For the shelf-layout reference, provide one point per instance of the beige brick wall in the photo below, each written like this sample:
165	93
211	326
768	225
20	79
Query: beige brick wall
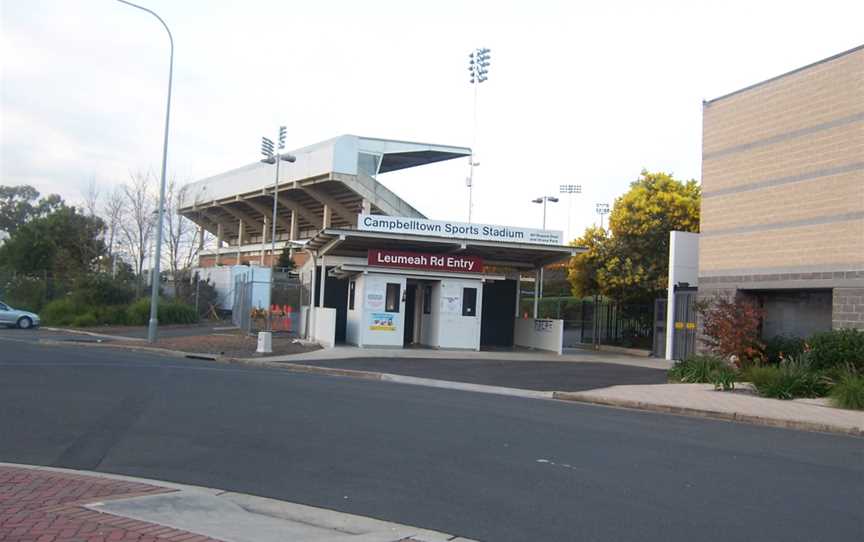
827	92
818	94
840	243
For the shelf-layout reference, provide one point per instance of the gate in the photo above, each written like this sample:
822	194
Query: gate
241	308
659	348
684	334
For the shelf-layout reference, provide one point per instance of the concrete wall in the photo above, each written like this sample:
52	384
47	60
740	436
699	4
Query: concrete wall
796	314
325	326
848	308
539	334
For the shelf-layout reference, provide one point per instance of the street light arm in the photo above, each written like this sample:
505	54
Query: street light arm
153	13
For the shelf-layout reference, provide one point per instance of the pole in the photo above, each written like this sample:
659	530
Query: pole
154	295
542	269
273	231
473	144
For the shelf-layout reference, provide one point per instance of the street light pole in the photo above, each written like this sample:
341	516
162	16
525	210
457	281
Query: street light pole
478	66
543	200
154	280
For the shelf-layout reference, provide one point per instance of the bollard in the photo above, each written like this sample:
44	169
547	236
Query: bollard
265	342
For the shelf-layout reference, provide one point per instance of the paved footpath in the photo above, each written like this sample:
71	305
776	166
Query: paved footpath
741	405
40	504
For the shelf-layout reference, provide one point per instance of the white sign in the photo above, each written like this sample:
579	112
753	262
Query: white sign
451	304
375	292
458	230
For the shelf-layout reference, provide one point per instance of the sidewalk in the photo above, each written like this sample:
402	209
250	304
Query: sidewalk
740	405
43	504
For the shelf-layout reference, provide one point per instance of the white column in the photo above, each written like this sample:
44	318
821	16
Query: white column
518	292
327	216
292	234
366	206
323	282
241	233
220	232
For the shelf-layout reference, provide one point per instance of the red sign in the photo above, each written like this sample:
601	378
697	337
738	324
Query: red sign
421	260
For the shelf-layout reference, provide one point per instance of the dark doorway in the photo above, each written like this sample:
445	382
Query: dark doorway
499	313
410	300
335	297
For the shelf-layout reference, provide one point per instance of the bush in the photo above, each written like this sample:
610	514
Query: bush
838	348
27	293
170	312
783	346
731	327
724	378
88	319
101	289
849	392
789	380
697	369
60	312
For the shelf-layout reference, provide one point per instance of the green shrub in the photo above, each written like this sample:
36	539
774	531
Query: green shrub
101	289
60	312
697	369
783	346
27	293
837	348
170	312
789	380
849	392
724	378
88	319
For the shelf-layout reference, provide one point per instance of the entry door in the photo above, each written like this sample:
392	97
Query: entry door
499	313
684	341
410	301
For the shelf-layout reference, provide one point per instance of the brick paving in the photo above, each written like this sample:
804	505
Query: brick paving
48	506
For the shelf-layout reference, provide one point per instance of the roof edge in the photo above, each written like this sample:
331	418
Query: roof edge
782	75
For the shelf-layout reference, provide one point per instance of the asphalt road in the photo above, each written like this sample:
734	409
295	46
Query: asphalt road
483	466
529	375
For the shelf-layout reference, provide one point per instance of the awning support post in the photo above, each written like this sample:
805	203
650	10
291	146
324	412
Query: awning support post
536	289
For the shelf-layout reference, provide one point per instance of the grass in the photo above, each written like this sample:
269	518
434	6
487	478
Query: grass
849	392
789	380
696	369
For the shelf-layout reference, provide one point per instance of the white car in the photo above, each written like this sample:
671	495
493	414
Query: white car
17	318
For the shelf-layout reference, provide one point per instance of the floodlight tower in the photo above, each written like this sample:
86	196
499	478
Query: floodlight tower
602	210
478	67
267	149
543	200
570	189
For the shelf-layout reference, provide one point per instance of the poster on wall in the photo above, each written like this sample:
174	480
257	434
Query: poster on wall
375	295
451	304
382	321
543	326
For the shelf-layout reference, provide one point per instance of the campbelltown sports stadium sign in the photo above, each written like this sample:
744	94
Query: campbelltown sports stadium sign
457	230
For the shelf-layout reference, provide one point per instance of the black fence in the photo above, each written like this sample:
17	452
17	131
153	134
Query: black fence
589	321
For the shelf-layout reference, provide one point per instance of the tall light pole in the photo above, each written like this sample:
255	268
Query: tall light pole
478	67
154	279
267	149
570	189
543	200
602	210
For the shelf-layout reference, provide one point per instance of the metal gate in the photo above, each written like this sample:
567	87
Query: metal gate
659	348
241	308
684	338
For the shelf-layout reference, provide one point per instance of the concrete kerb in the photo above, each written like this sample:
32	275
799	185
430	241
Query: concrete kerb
706	413
579	397
343	526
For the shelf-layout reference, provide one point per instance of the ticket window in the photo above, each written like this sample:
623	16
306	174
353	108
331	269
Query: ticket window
393	298
469	301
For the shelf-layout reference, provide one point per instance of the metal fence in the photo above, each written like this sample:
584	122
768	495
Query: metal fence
283	313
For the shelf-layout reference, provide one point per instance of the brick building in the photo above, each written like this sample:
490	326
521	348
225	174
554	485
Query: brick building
783	196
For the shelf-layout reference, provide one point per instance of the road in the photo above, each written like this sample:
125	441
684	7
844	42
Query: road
487	467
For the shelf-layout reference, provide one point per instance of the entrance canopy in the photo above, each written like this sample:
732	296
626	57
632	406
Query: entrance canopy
355	243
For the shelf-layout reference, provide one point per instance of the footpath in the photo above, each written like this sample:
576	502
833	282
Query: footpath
43	504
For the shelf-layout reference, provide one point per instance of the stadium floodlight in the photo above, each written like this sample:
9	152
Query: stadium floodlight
570	189
478	70
602	210
274	156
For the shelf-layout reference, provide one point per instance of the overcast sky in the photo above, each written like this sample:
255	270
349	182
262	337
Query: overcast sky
579	92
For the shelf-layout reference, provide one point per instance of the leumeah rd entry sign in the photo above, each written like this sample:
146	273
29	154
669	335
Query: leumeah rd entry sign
430	262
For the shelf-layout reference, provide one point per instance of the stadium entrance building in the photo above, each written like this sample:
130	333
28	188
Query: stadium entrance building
376	272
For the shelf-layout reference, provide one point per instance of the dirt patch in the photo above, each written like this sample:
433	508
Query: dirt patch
228	343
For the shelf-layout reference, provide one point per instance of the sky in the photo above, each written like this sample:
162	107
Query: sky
585	93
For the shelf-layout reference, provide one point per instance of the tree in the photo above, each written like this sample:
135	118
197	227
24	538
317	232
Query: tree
631	262
138	223
181	234
112	212
19	205
64	243
285	261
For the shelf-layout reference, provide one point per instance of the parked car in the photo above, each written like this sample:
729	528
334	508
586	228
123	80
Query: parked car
18	318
